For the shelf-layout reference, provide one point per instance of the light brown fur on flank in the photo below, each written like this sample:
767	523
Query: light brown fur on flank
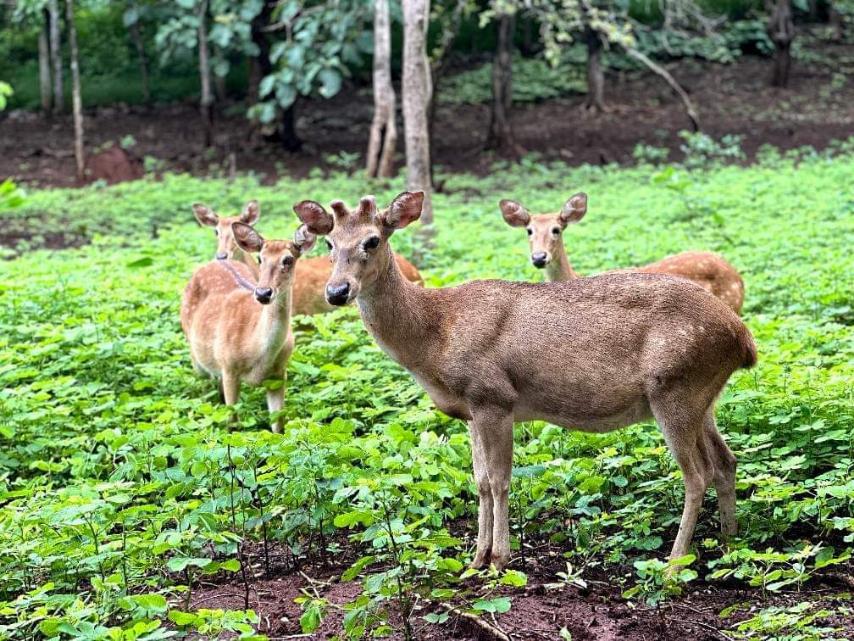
545	236
235	338
311	273
594	354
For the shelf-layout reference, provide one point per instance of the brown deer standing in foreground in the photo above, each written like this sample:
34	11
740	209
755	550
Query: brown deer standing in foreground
593	353
545	234
311	273
242	333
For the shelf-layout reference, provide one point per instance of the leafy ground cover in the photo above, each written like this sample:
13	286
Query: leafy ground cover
128	510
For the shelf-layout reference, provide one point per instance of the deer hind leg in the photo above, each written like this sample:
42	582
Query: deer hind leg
724	473
485	505
495	434
684	433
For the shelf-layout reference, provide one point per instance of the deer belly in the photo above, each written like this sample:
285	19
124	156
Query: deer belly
588	415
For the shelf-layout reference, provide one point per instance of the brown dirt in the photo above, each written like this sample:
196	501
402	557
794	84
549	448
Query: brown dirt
538	613
816	109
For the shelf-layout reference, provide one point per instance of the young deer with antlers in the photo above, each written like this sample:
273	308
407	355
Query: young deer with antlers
240	332
594	354
545	235
311	273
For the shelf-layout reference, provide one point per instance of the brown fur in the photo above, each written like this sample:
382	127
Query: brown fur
311	273
232	336
545	235
594	354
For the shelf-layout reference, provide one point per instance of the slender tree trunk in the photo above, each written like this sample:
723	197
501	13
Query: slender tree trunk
139	43
383	136
501	137
835	20
56	55
288	129
595	73
206	103
416	98
44	65
76	99
781	30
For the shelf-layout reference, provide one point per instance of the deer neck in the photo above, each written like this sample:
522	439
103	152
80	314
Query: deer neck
559	269
398	315
274	323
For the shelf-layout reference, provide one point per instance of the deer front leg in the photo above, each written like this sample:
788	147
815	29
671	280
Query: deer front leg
495	433
485	506
275	402
231	391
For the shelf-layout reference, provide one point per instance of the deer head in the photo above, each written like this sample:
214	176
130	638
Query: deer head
277	258
226	247
545	231
358	239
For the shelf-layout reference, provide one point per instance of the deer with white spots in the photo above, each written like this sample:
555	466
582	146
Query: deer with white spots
311	273
239	331
545	236
593	354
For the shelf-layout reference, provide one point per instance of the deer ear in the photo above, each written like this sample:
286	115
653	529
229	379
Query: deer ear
251	213
247	238
205	215
514	214
574	209
315	217
404	209
304	239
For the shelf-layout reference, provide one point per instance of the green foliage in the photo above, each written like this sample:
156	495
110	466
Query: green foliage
122	487
801	622
5	92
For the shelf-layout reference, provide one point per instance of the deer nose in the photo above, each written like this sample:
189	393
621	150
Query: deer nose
338	294
221	255
539	259
263	295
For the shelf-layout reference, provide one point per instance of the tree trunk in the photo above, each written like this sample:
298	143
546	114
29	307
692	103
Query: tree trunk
206	103
595	73
44	65
56	56
76	99
835	20
781	30
288	129
136	36
416	98
501	136
383	136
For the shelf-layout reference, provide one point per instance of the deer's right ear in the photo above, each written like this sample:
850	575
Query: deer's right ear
205	215
514	214
315	217
247	238
404	209
251	213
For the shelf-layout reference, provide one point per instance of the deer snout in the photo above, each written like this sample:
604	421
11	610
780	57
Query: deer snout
539	259
338	294
263	295
221	255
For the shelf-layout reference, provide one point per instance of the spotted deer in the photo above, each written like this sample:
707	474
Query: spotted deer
594	354
311	273
545	236
239	331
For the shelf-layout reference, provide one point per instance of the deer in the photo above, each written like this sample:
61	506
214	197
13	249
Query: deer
545	236
594	354
311	273
240	332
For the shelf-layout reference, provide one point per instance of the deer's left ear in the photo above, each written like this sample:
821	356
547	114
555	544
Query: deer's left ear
315	217
574	209
247	238
304	239
205	215
251	213
514	214
404	209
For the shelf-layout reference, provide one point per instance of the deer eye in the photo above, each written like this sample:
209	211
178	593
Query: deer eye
287	260
372	243
556	230
530	231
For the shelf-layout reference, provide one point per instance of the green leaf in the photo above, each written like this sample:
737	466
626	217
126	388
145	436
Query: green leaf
498	605
330	82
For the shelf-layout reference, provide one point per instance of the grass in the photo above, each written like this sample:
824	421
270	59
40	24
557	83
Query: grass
121	487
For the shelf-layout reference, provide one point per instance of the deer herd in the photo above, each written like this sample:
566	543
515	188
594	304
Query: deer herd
595	353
